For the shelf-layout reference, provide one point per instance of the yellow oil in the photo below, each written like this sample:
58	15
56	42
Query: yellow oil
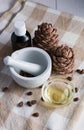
57	94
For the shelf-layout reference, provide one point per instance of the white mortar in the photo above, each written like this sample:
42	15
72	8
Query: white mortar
34	55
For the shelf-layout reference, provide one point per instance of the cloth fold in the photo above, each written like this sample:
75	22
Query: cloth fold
7	17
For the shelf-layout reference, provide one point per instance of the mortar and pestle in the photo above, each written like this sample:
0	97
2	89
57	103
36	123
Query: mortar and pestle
32	60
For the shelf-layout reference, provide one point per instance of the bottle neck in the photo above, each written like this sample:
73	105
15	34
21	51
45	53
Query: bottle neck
20	32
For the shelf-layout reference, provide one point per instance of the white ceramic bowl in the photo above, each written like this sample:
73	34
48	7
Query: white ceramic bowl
35	55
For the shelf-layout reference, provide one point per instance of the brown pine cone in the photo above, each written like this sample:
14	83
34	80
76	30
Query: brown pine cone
63	60
46	37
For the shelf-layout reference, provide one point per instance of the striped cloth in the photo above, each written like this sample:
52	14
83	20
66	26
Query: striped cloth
71	32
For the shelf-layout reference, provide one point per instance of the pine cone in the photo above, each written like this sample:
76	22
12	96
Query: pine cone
63	60
46	37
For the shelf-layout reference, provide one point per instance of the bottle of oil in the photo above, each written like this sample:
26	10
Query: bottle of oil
20	38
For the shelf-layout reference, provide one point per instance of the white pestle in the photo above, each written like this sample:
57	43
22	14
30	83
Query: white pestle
32	68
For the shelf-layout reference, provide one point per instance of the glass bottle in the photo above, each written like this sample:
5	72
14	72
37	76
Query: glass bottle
20	38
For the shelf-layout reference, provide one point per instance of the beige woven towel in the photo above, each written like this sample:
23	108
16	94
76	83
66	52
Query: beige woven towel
77	116
71	32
